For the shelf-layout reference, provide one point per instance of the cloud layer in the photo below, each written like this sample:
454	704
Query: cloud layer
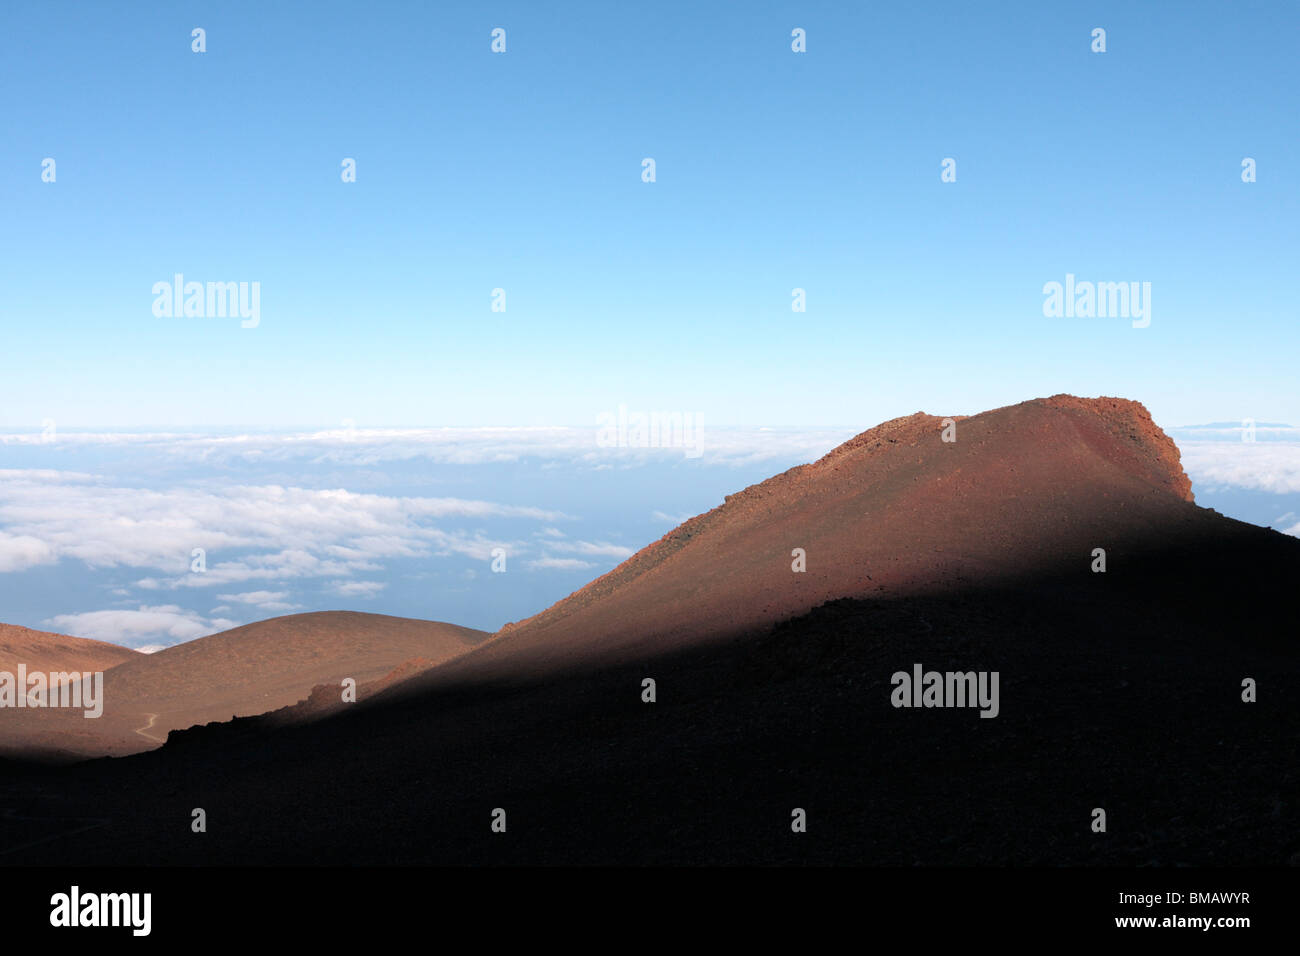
453	446
290	532
1272	466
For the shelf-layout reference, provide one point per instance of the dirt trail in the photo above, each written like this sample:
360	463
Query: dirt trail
142	731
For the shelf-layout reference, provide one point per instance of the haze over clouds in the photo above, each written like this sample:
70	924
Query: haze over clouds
455	446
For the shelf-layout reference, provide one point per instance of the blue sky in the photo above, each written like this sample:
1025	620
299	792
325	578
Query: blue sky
521	171
306	454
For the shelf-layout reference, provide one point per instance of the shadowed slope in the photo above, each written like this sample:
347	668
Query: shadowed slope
1119	690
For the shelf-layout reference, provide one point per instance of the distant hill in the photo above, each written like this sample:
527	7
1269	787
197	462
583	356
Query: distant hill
48	652
238	673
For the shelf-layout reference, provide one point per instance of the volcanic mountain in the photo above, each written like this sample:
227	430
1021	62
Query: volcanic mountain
685	707
1017	493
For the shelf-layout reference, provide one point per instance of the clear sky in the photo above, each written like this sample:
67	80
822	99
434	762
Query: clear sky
522	171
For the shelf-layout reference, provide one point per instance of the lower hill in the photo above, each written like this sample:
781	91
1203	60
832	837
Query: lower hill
51	653
242	672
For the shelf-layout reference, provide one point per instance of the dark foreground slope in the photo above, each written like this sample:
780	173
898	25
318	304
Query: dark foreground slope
1109	698
1119	691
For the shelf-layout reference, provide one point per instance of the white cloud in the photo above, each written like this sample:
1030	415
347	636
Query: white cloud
1259	466
263	533
593	548
363	589
671	519
163	625
43	474
559	564
20	552
262	600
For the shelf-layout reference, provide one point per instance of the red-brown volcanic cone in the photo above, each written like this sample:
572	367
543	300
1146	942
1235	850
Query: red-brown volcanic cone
894	511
